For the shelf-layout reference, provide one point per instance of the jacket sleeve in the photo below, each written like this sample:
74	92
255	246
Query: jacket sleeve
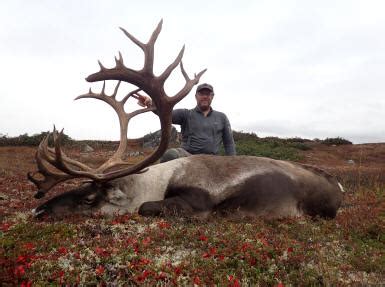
179	116
227	138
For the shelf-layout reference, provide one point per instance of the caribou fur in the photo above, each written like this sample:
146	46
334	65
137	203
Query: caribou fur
201	185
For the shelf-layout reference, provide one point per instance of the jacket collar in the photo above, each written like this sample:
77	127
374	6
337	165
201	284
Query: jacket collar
198	110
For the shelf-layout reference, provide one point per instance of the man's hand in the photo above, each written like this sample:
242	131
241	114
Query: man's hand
143	101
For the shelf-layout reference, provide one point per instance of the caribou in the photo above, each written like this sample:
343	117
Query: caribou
197	185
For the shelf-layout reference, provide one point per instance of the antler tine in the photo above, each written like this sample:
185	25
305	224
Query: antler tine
44	151
102	97
148	48
119	62
48	154
172	66
190	83
149	52
59	162
130	94
50	177
156	33
116	90
185	75
102	68
141	111
133	39
45	161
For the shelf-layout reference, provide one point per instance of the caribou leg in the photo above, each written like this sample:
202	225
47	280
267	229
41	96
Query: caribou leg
180	202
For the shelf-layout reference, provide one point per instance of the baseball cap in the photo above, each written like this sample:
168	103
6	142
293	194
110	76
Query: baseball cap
205	86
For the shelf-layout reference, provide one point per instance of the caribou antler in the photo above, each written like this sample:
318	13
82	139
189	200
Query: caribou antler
146	81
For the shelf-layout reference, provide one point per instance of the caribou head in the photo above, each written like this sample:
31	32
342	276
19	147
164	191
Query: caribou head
195	185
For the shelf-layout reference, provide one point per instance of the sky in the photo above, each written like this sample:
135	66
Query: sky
310	69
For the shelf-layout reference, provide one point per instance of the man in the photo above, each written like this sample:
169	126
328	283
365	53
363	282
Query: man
203	129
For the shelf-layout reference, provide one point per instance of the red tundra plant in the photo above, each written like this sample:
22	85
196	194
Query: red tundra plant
203	238
29	246
62	251
26	284
5	226
233	282
19	271
99	270
164	224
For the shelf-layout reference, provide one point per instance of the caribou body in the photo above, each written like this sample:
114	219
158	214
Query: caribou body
196	185
200	185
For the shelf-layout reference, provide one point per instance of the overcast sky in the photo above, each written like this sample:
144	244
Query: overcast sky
312	69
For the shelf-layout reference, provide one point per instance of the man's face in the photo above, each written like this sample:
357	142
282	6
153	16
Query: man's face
204	98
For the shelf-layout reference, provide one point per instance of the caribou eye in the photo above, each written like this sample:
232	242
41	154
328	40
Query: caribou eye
89	199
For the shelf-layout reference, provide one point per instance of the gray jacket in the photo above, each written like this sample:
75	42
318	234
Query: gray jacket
204	135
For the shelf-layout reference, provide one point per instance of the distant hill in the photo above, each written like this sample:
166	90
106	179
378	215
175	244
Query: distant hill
246	143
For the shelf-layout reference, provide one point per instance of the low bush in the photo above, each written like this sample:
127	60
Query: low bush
238	136
336	141
271	149
33	140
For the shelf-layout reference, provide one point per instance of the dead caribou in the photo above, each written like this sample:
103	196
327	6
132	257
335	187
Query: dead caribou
196	185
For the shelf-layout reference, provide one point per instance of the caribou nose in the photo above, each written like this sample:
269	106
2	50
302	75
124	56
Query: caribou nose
38	213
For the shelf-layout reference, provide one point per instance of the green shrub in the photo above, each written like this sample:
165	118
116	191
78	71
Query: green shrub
272	147
336	141
299	145
34	140
298	140
244	136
